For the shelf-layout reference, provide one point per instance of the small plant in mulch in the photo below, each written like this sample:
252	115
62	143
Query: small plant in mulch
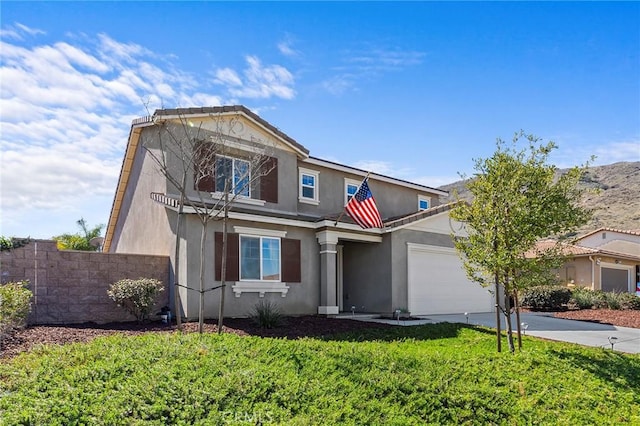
266	314
136	296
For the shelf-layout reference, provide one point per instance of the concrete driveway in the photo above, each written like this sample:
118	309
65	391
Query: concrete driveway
546	326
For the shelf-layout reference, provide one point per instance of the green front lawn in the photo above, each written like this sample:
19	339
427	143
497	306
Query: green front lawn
433	374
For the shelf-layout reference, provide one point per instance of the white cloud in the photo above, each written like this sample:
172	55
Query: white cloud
605	153
18	30
286	47
67	107
28	30
260	82
369	64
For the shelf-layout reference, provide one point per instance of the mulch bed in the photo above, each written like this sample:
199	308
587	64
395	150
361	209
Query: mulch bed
605	316
292	328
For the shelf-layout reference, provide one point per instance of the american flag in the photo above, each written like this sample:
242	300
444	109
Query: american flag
362	208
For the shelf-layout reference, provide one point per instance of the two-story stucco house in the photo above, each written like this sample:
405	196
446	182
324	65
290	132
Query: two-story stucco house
284	241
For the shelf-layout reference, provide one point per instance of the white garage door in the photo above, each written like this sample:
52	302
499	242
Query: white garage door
437	283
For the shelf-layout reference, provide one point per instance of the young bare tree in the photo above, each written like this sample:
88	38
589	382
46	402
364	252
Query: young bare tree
209	166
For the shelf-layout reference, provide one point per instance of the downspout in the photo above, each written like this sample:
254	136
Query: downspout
593	272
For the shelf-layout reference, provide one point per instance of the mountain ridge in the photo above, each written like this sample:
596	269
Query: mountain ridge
614	199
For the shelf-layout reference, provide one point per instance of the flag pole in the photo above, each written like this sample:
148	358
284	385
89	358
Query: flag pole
342	213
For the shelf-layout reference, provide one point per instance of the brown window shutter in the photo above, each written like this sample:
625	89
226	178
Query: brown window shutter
233	261
204	175
291	271
269	181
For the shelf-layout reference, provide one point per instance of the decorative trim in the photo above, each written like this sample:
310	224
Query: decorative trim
259	232
331	237
328	252
308	201
260	287
239	199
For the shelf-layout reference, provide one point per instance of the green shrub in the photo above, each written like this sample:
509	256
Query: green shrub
546	298
612	300
266	314
136	296
629	301
583	298
15	305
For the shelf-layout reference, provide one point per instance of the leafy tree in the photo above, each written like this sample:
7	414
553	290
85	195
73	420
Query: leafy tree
80	240
517	199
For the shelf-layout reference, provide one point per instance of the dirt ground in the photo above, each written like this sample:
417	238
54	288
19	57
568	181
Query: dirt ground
292	328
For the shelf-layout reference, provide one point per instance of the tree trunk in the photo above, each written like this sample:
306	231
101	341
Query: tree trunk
507	315
498	334
223	268
517	303
176	269
203	240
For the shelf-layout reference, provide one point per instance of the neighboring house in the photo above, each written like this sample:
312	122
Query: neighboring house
605	259
285	243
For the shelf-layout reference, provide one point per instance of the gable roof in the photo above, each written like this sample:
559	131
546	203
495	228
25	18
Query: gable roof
231	109
402	221
619	231
576	250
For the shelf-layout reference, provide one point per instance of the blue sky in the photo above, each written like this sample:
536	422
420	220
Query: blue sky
414	90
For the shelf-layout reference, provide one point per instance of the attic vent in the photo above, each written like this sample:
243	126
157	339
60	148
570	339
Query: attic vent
604	235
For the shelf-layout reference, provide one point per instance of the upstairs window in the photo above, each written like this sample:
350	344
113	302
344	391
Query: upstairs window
308	186
239	173
423	202
350	189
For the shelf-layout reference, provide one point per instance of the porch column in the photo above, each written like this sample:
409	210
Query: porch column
328	286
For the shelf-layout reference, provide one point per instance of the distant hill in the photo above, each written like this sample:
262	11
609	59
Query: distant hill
616	204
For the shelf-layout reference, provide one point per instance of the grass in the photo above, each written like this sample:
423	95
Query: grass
432	374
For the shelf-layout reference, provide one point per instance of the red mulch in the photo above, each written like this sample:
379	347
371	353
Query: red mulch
625	318
292	328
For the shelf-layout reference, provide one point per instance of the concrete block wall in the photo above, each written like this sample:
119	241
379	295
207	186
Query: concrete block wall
71	286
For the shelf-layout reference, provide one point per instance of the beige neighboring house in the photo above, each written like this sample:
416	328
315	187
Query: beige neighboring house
605	259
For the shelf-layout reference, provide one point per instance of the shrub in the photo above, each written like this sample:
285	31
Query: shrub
546	298
15	305
629	301
266	314
612	300
136	296
583	298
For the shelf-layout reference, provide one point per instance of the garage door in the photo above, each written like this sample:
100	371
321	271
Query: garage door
614	279
437	283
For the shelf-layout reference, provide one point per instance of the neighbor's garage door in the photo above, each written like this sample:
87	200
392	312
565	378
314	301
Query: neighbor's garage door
437	283
615	279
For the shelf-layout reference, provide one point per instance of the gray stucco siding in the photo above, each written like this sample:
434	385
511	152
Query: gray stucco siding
367	276
301	298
